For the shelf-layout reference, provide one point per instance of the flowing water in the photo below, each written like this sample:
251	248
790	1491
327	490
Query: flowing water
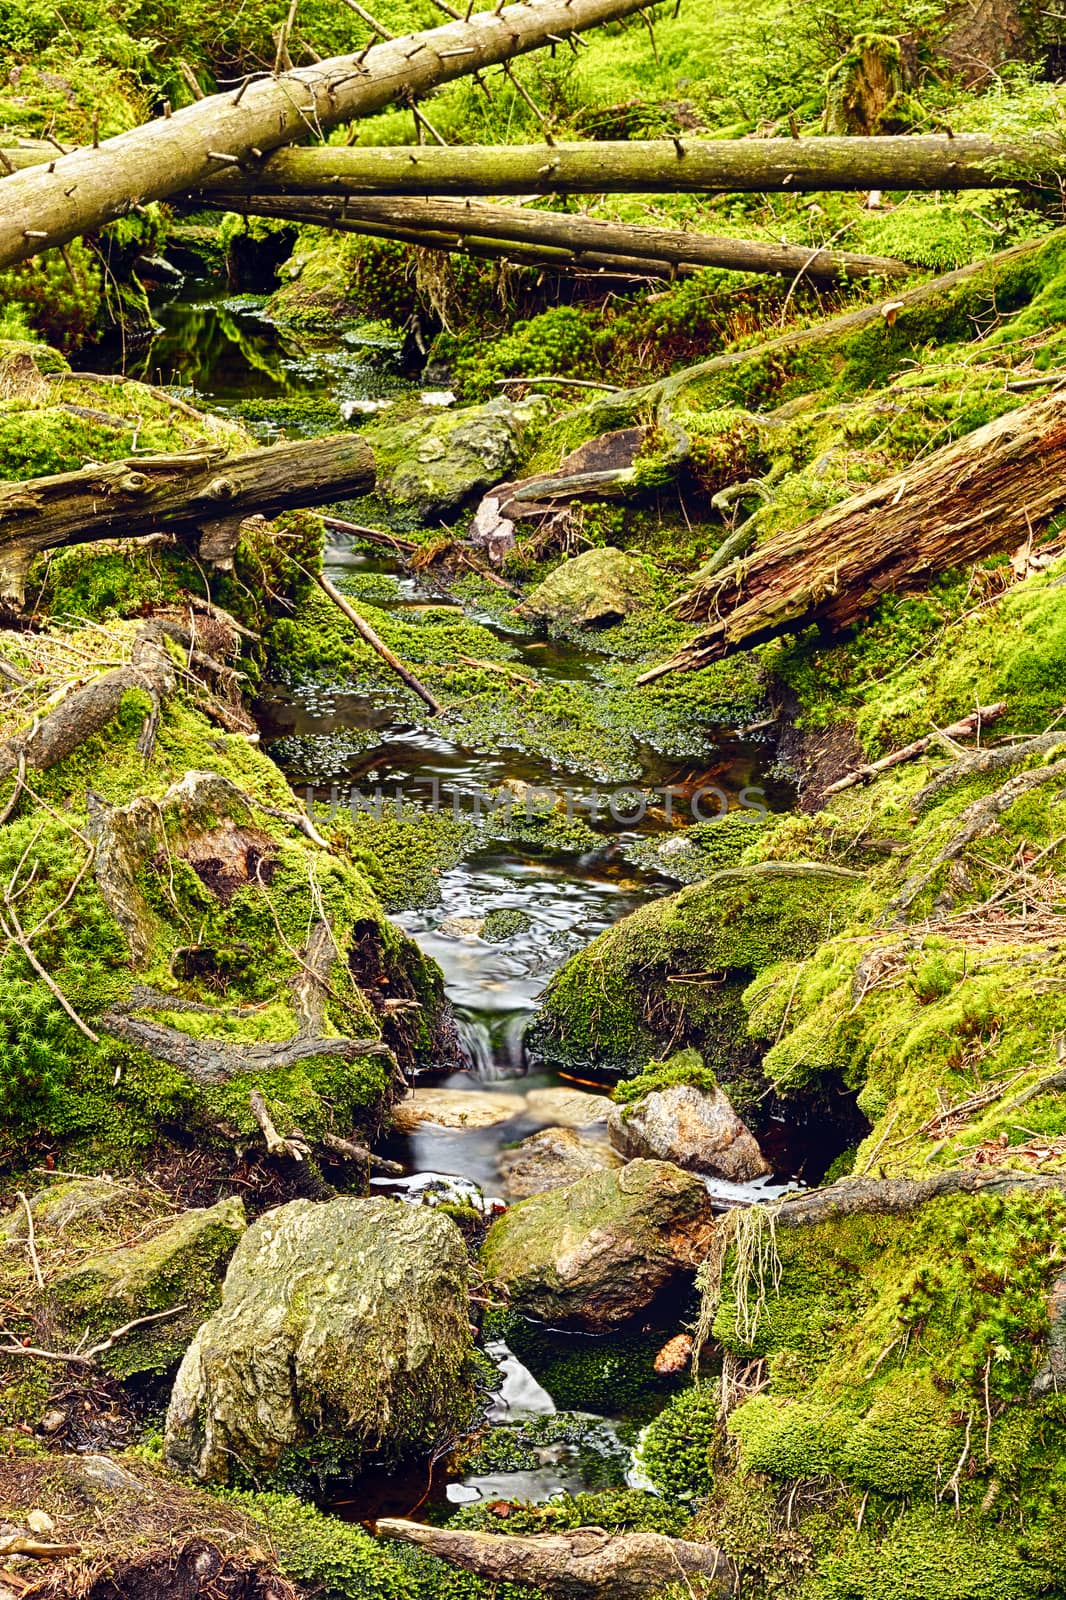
227	355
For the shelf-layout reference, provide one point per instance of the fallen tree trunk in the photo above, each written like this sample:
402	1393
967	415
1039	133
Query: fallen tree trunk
585	1564
79	192
543	257
204	491
624	405
574	234
981	494
693	166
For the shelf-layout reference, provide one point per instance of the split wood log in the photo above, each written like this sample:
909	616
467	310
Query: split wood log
203	491
574	234
657	166
76	193
963	729
585	1564
981	494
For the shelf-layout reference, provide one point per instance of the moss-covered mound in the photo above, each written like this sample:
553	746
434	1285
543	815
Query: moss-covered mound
675	971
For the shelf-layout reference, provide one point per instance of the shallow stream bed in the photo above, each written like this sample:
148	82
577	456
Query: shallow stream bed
334	742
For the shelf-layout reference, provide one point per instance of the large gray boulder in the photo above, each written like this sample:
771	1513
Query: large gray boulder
343	1332
433	462
593	590
595	1253
695	1128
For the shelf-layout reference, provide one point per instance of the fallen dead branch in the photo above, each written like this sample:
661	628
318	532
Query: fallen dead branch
86	1358
964	728
377	644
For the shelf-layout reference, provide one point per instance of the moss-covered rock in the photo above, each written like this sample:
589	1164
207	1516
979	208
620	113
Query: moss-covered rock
598	1251
592	590
612	1008
432	463
343	1335
179	1268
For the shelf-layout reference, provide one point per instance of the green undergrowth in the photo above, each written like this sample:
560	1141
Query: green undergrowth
207	930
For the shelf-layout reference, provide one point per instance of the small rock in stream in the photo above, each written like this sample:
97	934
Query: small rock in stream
456	1108
552	1158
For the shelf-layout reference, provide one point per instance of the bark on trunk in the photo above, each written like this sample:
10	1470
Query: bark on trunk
984	493
203	490
76	193
587	1564
694	166
575	235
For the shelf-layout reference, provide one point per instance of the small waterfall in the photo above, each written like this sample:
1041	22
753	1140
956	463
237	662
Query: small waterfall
492	1045
475	1040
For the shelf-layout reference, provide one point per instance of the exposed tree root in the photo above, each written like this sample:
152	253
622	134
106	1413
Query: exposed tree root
586	1564
977	763
976	820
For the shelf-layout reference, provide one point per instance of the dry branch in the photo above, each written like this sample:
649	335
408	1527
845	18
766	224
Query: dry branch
981	494
962	729
48	205
376	643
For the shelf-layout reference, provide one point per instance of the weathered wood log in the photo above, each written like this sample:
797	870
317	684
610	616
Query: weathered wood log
981	494
585	1564
79	192
574	234
693	166
203	491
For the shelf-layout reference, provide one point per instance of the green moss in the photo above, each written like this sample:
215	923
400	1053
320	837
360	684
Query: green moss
599	1013
685	1067
676	1449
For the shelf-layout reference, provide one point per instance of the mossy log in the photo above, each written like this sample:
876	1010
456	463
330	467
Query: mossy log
979	495
203	493
79	192
585	1564
575	235
657	166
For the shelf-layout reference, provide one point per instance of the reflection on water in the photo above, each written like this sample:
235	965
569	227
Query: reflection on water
225	350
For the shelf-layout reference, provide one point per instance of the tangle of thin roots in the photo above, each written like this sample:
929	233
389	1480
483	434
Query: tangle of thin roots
752	1235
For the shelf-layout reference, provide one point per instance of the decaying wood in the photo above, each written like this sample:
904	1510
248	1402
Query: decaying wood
963	729
657	166
203	492
577	235
83	713
983	493
376	643
48	205
585	1564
